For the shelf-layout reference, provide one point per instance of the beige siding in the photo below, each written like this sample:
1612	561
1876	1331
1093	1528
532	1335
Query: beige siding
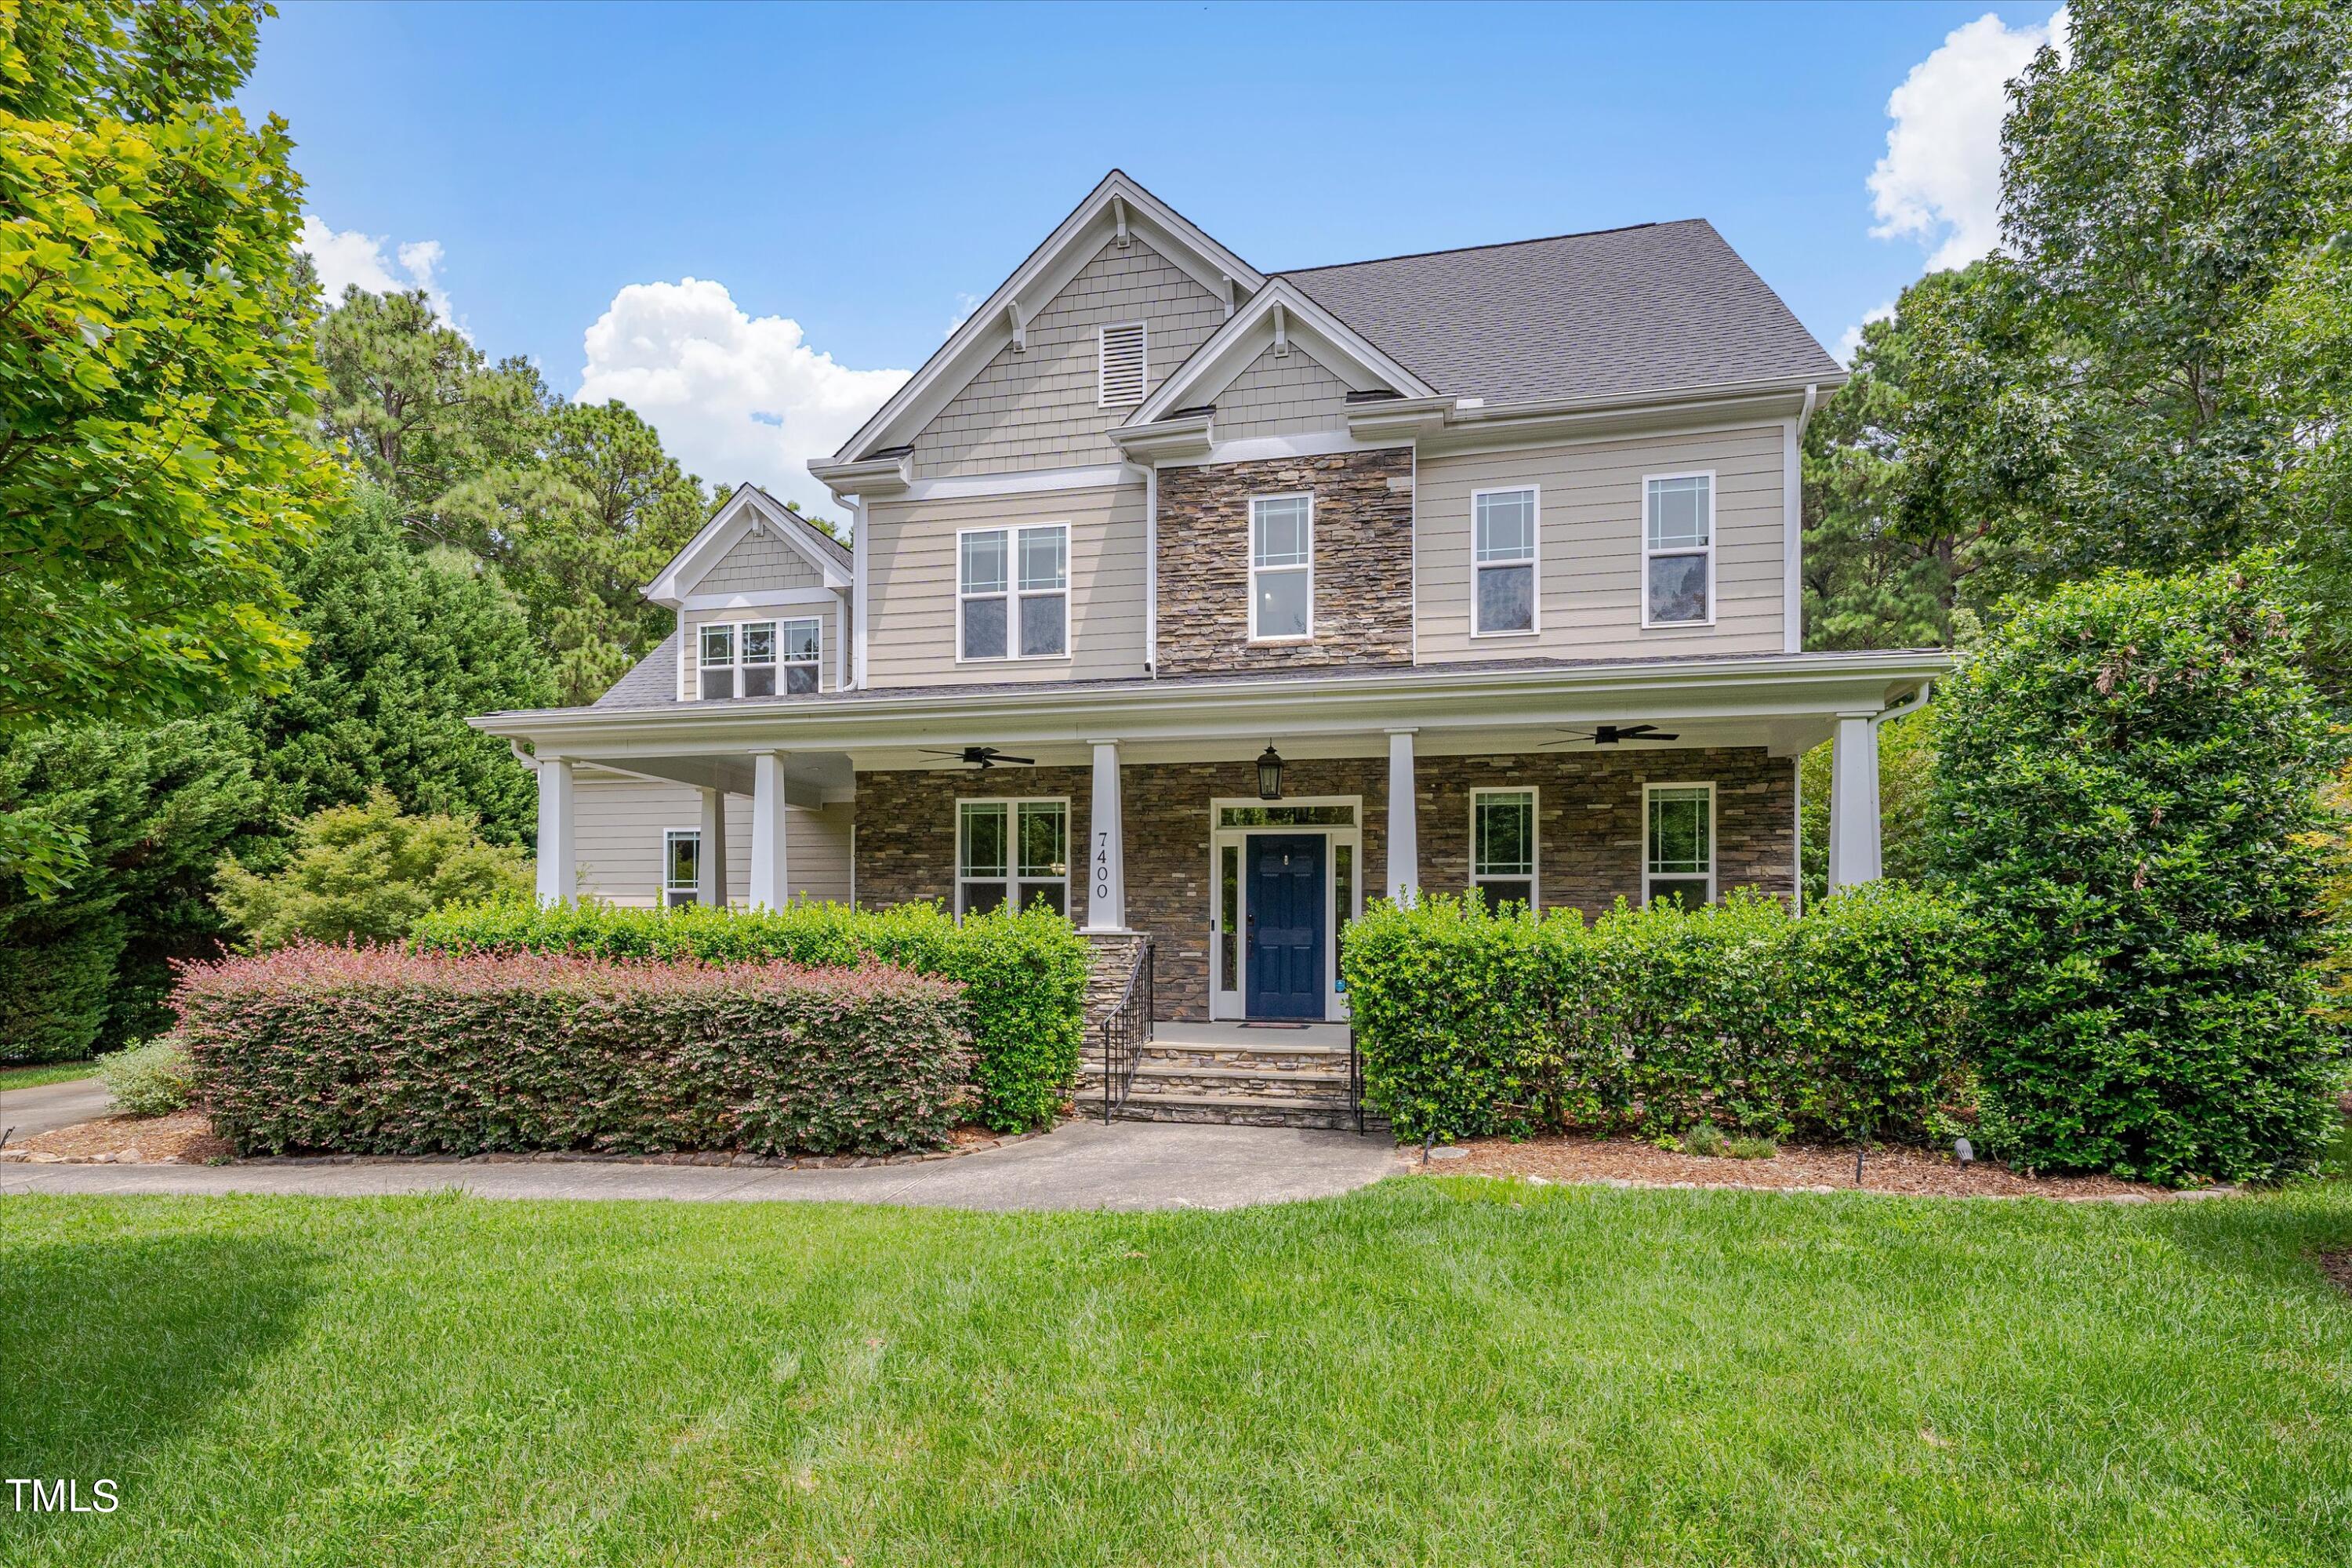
911	596
828	612
1589	548
1289	395
760	562
620	824
1038	408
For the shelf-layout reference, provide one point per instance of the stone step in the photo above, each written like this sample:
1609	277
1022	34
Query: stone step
1170	1077
1268	1059
1240	1111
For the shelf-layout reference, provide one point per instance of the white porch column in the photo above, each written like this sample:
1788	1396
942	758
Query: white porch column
710	881
768	889
1853	803
559	851
1106	847
1404	838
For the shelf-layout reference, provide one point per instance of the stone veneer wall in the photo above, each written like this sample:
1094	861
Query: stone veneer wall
1588	813
1363	562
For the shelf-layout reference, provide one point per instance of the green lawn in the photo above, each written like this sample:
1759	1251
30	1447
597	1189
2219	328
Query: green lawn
46	1072
1449	1372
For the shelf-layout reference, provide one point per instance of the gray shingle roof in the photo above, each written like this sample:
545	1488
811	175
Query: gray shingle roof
652	684
1614	313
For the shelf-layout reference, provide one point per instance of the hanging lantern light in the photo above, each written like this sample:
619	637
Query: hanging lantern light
1269	773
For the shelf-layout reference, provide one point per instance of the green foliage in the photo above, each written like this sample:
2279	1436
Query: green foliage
1475	1023
380	1050
367	872
2132	384
1752	1149
87	966
403	647
1906	782
1025	972
1705	1140
155	373
152	1079
2130	783
2334	840
577	506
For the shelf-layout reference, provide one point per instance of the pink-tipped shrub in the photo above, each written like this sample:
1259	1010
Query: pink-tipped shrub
382	1051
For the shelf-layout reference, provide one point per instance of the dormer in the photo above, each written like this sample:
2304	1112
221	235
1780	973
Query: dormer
764	603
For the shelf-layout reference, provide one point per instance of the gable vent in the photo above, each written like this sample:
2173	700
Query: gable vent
1123	363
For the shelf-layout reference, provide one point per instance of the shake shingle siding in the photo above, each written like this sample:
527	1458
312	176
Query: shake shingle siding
1286	396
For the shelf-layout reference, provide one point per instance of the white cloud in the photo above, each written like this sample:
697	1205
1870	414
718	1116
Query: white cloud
1851	342
1939	181
735	397
350	257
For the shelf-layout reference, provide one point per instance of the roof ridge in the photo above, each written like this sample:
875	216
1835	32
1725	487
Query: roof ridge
1492	245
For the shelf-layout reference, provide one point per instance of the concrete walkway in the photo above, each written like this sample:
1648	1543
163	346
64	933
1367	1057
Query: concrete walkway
1083	1165
53	1105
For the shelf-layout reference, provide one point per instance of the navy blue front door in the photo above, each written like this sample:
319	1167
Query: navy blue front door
1284	914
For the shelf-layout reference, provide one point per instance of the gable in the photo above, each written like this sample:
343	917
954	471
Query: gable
1278	317
759	562
1038	406
759	546
1118	212
1282	394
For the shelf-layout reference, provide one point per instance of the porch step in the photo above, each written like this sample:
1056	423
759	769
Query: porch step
1331	1112
1244	1077
1234	1079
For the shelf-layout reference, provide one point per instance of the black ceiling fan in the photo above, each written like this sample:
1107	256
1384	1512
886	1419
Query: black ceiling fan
983	757
1611	735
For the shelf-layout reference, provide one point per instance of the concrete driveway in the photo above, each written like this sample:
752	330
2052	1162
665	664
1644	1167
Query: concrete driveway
1082	1165
31	1110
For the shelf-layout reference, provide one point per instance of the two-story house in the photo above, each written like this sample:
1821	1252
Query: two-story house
1210	603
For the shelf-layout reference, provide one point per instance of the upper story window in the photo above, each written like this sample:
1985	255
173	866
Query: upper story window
1014	851
1503	598
681	866
1282	567
1678	549
1012	592
749	658
1679	836
1503	845
1119	364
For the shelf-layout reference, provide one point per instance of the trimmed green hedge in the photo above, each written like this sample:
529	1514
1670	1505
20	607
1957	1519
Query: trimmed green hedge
1473	1022
1025	972
377	1050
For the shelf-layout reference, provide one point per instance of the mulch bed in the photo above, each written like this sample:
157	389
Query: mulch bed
1625	1162
183	1138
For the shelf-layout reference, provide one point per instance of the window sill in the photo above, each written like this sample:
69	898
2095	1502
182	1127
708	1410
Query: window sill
1280	642
1018	658
1485	636
1677	625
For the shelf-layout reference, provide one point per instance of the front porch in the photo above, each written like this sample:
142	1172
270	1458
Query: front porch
1240	821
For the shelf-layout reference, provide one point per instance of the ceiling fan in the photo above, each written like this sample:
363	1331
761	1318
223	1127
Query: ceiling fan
1613	734
983	757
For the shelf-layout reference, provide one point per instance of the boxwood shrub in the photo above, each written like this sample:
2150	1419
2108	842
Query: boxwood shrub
379	1050
1740	1014
1024	972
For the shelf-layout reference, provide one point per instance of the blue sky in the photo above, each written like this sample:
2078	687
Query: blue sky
841	184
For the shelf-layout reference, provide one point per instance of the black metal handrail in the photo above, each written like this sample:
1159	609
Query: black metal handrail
1126	1030
1356	1079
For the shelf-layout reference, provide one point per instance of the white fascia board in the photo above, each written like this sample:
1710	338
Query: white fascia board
869	476
1186	437
1035	481
1505	425
1811	687
1258	449
696	604
1073	243
1231	348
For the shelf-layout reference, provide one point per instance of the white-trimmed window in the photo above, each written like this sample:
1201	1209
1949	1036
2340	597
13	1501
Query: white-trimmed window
1678	549
1119	364
1503	548
681	867
1678	839
1012	592
1503	845
757	658
1282	568
1015	851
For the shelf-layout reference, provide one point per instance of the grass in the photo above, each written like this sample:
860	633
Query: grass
45	1073
1449	1371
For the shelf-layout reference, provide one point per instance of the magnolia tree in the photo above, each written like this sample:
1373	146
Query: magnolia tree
2129	786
